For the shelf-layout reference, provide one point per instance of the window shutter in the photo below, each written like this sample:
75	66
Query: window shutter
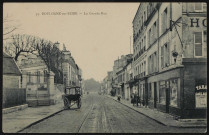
168	53
205	36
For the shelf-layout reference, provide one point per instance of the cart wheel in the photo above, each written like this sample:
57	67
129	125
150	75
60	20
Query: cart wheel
79	103
66	103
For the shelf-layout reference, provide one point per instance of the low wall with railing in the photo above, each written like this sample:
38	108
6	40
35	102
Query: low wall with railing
13	97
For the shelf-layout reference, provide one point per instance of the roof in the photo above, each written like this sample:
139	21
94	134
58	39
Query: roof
136	12
10	66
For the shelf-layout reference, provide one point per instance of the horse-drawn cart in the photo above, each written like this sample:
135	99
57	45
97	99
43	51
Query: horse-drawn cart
72	96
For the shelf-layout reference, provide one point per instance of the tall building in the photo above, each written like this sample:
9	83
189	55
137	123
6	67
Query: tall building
170	54
118	74
71	71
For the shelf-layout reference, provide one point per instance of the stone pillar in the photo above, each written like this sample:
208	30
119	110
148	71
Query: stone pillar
24	80
50	87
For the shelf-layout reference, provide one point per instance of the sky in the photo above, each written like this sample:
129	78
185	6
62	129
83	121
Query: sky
95	33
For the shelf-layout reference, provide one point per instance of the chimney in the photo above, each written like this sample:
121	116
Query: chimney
57	44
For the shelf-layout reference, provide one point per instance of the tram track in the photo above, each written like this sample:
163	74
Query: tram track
88	115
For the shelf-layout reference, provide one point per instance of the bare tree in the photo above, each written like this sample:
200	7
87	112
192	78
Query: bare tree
52	56
22	43
47	50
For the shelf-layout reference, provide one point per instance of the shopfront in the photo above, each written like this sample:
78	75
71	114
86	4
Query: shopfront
195	88
181	91
164	91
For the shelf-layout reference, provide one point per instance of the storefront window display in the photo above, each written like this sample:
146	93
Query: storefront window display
162	95
173	92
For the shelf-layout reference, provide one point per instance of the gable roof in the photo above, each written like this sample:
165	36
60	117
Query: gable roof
10	66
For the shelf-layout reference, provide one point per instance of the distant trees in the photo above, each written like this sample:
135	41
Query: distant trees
92	85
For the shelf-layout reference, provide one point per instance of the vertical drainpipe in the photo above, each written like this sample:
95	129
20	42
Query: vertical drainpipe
169	52
158	44
158	33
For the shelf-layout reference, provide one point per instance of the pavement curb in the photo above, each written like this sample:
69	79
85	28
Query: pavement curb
14	108
180	126
38	121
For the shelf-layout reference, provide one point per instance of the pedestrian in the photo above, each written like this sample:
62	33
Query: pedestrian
119	98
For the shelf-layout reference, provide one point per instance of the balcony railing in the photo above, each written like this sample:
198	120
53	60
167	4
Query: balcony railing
139	53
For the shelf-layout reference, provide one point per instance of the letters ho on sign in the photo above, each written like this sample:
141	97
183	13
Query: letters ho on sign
196	22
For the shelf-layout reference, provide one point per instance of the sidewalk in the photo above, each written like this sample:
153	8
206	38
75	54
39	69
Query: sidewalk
163	118
16	121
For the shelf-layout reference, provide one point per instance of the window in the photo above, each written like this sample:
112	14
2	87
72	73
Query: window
144	42
149	37
173	92
145	16
142	21
45	76
162	56
154	31
29	77
154	62
166	59
162	93
152	36
205	36
164	21
198	43
142	70
149	91
150	64
205	7
38	76
198	7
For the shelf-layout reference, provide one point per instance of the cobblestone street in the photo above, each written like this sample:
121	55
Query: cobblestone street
99	114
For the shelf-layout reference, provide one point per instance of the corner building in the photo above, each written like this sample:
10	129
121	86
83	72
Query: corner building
175	42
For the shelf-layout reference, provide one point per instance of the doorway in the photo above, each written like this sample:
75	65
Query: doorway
167	96
155	94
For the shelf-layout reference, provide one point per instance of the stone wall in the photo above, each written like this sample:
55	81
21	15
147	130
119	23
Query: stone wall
11	81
